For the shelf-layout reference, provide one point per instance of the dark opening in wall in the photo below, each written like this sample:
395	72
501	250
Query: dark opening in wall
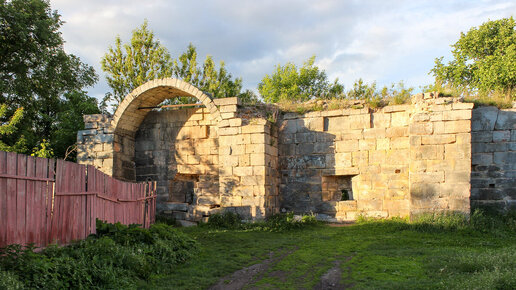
337	188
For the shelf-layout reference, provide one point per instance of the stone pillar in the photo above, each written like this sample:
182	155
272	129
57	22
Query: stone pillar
440	155
95	144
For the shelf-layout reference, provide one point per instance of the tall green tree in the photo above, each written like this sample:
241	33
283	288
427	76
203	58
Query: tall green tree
289	83
218	82
35	71
143	59
484	59
132	64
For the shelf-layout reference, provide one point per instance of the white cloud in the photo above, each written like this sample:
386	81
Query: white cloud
386	41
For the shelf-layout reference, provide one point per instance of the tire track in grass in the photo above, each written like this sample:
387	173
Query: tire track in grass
248	275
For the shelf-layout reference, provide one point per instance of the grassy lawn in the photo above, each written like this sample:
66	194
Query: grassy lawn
388	254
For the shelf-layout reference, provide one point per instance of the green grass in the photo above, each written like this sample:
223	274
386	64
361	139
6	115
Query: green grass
426	254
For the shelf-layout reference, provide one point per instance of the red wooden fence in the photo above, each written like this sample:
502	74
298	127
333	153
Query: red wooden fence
43	201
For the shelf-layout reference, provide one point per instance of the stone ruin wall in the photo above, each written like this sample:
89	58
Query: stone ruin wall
493	176
395	161
399	160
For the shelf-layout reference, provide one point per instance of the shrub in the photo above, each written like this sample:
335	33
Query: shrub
115	257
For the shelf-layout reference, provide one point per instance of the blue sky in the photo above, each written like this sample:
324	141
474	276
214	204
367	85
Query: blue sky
382	41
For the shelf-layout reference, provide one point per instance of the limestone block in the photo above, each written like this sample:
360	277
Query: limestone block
400	119
436	116
457	151
331	113
347	205
249	129
439	127
305	149
227	101
231	201
461	204
383	144
393	157
360	158
374	133
399	143
257	159
396	205
254	148
227	116
360	121
463	106
229	161
484	118
456	115
438	139
223	124
237	122
324	147
343	159
421	117
461	126
252	180
396	194
381	120
435	152
502	136
396	132
346	146
415	140
482	159
506	120
229	131
347	112
305	137
370	205
351	135
312	124
396	108
377	156
244	160
336	124
243	171
422	128
367	144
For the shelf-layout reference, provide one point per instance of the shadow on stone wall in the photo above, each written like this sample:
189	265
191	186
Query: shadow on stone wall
156	157
493	162
305	155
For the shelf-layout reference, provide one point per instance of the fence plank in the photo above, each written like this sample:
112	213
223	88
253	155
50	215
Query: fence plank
3	200
30	217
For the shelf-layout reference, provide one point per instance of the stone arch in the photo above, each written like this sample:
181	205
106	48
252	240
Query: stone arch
129	114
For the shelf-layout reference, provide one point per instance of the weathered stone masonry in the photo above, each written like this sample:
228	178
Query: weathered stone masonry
395	161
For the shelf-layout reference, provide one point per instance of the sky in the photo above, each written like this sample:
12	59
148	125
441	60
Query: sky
376	40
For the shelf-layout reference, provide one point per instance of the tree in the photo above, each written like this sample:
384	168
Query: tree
7	127
288	83
35	71
218	83
132	65
484	59
144	58
69	120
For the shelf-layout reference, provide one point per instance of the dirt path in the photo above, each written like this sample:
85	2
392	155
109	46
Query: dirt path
332	278
247	275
